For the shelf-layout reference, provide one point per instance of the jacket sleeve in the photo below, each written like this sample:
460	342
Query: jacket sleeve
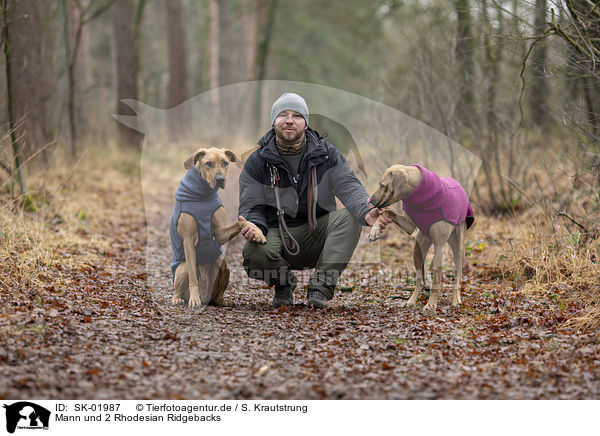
252	195
347	187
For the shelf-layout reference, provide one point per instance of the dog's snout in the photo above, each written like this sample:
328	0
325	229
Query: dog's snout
220	180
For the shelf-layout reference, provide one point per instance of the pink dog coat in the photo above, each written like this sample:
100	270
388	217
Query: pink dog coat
436	199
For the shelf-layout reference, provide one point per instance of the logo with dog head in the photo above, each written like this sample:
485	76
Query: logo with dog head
26	415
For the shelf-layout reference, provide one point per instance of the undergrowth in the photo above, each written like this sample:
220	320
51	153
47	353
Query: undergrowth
60	221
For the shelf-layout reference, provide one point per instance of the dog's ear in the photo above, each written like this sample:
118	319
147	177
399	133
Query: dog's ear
399	179
231	155
191	161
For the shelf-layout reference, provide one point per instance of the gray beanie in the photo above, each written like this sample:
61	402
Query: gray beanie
289	102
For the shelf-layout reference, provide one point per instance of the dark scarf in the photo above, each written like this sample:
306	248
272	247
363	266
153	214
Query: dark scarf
291	149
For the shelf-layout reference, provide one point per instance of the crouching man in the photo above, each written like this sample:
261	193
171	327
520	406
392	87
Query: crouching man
288	188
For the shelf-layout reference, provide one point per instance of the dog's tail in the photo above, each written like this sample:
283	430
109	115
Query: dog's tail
470	218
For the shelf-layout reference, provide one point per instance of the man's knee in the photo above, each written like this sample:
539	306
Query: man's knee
345	220
258	256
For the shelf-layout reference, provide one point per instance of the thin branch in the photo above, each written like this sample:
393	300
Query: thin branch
522	76
566	215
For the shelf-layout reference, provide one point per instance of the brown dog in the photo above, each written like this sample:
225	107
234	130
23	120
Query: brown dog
199	283
438	224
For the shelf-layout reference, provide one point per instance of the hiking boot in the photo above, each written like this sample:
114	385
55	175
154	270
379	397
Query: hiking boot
316	299
283	296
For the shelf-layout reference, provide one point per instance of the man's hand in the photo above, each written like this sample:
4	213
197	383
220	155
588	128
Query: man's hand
372	215
249	230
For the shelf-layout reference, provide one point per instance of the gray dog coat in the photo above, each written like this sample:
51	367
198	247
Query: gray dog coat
194	196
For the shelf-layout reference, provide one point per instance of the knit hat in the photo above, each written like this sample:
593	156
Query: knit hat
289	102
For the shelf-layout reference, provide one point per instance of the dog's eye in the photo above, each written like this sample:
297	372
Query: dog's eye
209	164
225	163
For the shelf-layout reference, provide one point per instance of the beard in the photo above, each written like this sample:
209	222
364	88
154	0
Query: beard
291	146
289	137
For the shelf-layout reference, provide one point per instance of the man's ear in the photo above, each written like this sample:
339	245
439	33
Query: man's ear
231	155
191	161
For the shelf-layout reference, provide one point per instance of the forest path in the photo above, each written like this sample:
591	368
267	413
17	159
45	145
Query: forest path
108	330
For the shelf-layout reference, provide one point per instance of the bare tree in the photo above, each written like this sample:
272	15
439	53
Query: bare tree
75	12
464	57
579	26
538	102
30	68
250	33
126	66
6	41
213	52
266	20
178	87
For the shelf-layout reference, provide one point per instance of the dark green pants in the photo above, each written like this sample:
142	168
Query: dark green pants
328	250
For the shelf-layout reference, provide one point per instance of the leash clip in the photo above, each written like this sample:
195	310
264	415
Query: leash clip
274	175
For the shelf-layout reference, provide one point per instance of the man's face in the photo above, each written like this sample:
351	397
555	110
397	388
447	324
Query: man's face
289	126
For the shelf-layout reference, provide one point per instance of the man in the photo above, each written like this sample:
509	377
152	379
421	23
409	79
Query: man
288	188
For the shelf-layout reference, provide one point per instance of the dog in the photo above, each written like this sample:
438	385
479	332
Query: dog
197	229
439	208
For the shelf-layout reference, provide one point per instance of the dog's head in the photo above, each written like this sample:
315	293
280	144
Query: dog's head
391	187
212	164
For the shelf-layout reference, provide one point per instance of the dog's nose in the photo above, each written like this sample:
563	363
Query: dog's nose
220	179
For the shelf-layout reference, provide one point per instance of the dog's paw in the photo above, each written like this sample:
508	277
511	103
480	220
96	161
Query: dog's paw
195	301
375	233
430	307
259	235
177	301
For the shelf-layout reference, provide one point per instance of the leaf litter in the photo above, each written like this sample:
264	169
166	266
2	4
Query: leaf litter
103	328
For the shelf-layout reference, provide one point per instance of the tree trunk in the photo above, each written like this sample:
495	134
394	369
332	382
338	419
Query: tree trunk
249	32
68	25
31	69
225	43
125	67
177	88
538	99
466	64
266	20
9	95
213	53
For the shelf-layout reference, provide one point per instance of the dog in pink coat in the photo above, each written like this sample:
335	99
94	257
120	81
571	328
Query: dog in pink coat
439	208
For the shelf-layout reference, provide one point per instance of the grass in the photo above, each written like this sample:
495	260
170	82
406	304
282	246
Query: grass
70	202
543	249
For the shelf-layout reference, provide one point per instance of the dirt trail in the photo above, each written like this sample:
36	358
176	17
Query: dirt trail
108	331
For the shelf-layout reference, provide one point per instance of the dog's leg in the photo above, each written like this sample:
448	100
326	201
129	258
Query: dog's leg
405	223
456	242
224	233
220	277
181	285
421	247
206	279
439	232
188	230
